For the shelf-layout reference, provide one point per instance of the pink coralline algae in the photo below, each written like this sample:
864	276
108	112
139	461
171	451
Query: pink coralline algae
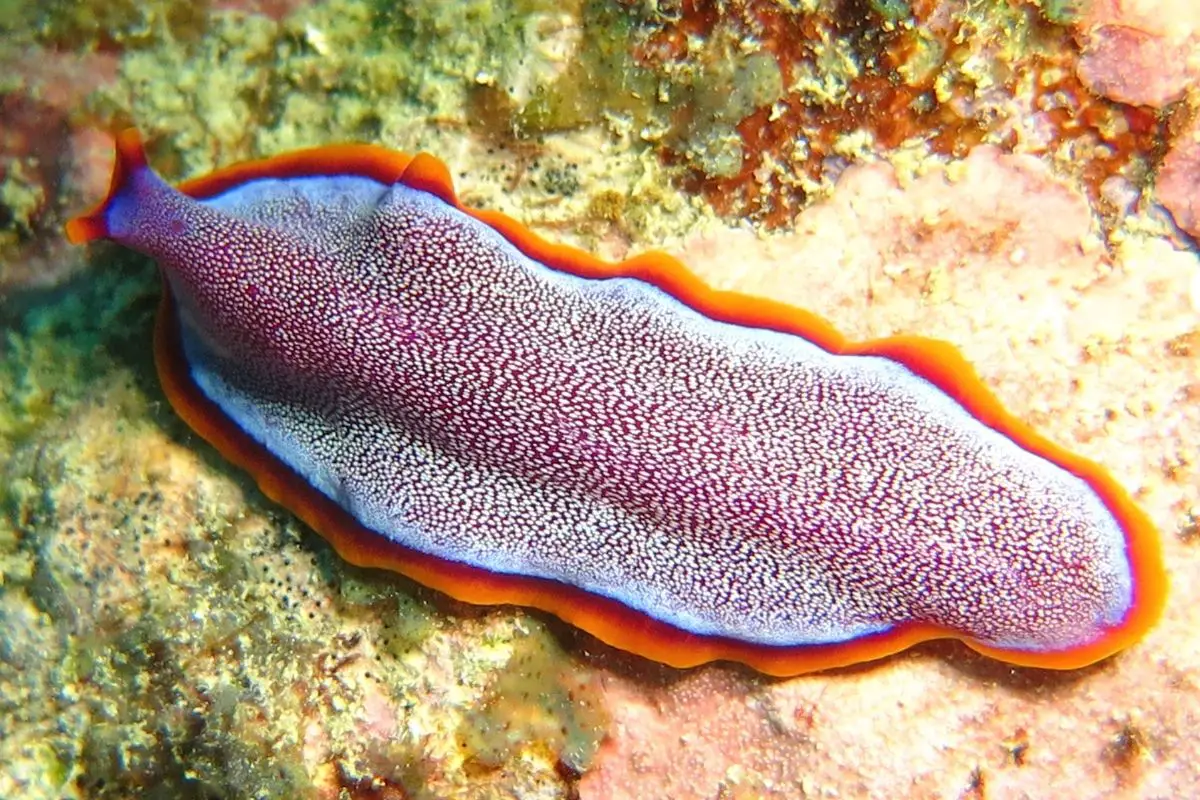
1147	52
1178	184
1142	52
44	159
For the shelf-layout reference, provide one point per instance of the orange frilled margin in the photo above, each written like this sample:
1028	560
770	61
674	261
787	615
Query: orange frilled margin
608	620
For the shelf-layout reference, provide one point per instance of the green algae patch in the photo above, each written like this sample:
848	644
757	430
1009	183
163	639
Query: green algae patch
337	70
120	24
598	81
490	88
1063	12
891	10
405	619
412	622
21	199
728	88
540	704
54	351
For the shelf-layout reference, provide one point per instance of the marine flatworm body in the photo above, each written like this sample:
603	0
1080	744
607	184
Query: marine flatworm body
685	473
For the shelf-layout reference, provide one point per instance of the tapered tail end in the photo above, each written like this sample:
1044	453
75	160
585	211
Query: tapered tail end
131	157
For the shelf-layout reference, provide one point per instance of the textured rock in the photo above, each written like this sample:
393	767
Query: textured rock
1178	184
1145	52
166	626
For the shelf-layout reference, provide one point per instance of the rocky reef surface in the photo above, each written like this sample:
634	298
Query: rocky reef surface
1018	177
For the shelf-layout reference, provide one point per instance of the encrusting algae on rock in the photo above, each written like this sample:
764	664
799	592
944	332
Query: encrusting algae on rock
202	671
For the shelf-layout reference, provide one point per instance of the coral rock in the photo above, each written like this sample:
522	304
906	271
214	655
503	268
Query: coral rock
1179	178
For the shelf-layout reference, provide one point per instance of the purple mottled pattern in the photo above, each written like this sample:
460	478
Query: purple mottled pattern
470	403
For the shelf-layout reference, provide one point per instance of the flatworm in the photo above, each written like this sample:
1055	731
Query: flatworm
686	473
